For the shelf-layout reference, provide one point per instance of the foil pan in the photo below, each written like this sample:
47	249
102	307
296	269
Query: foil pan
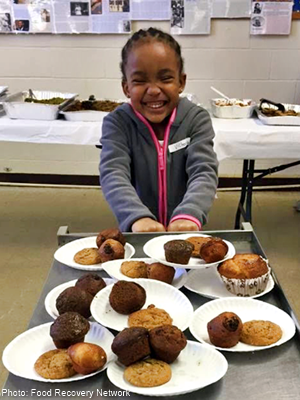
281	120
232	111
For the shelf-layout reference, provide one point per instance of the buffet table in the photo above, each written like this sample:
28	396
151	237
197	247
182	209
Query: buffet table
256	375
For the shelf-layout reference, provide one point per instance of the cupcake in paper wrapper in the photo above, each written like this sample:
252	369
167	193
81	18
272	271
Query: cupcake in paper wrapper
245	274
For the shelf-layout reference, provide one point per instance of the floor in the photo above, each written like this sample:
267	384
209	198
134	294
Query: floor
31	216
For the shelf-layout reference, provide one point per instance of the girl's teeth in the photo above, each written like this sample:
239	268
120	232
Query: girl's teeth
156	105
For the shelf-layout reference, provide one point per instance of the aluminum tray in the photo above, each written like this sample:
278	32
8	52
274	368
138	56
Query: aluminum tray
272	373
85	116
288	120
16	108
232	112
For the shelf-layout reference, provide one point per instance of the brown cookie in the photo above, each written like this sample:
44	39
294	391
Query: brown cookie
134	269
148	373
54	364
197	241
149	318
87	256
260	333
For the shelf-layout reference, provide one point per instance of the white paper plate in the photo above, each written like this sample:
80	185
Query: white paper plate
196	367
154	248
21	353
161	294
113	268
66	253
50	300
247	310
208	283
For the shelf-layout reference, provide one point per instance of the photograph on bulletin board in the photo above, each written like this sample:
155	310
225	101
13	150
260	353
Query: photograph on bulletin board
296	9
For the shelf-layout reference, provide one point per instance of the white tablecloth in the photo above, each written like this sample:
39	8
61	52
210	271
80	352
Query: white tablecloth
235	139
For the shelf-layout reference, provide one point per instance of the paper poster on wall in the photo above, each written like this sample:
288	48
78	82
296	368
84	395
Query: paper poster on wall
231	8
271	17
150	10
6	17
190	17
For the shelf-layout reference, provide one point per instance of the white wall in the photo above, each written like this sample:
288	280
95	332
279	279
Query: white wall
229	58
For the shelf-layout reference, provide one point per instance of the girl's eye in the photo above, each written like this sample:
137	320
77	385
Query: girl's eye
138	81
167	79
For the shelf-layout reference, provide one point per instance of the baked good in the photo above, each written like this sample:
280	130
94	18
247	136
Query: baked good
150	318
260	333
54	364
69	328
160	272
245	274
213	250
148	373
126	297
225	330
131	345
178	251
87	357
115	234
91	283
74	299
197	241
134	269
167	342
111	250
87	256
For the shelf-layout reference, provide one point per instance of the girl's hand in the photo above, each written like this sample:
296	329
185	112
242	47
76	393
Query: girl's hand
147	225
182	225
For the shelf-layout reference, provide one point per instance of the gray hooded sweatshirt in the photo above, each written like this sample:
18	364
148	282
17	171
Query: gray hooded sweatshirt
140	178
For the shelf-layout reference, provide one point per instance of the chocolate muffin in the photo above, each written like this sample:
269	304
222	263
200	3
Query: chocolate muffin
69	328
131	345
178	251
126	297
91	283
214	250
167	342
110	234
160	272
74	299
111	250
225	330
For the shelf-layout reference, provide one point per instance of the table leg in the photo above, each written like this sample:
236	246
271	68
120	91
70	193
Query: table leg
240	208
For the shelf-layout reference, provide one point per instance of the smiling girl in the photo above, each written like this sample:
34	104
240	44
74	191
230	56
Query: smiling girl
158	169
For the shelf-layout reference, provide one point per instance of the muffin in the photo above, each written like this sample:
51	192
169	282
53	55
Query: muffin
91	283
126	297
197	241
245	274
178	251
111	250
110	234
167	342
131	345
74	299
134	269
87	357
225	330
160	272
214	250
69	328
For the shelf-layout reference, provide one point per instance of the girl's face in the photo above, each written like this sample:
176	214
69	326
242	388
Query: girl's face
153	82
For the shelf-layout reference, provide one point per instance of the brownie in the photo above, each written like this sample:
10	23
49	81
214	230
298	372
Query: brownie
111	250
74	299
110	234
166	342
160	272
126	297
91	283
178	251
131	345
69	328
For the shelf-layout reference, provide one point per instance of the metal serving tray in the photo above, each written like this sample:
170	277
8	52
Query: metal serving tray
284	120
267	374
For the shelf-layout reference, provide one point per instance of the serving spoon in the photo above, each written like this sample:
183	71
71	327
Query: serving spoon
220	93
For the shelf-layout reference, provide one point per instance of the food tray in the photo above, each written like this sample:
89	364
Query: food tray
16	107
232	112
255	376
280	120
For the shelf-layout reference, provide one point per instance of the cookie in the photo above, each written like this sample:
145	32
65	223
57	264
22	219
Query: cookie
87	256
148	373
134	269
260	333
197	241
54	364
149	318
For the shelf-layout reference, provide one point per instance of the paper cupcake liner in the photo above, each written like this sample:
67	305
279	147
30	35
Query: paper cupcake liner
247	287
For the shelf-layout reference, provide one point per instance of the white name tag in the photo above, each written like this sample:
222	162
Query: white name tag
179	145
